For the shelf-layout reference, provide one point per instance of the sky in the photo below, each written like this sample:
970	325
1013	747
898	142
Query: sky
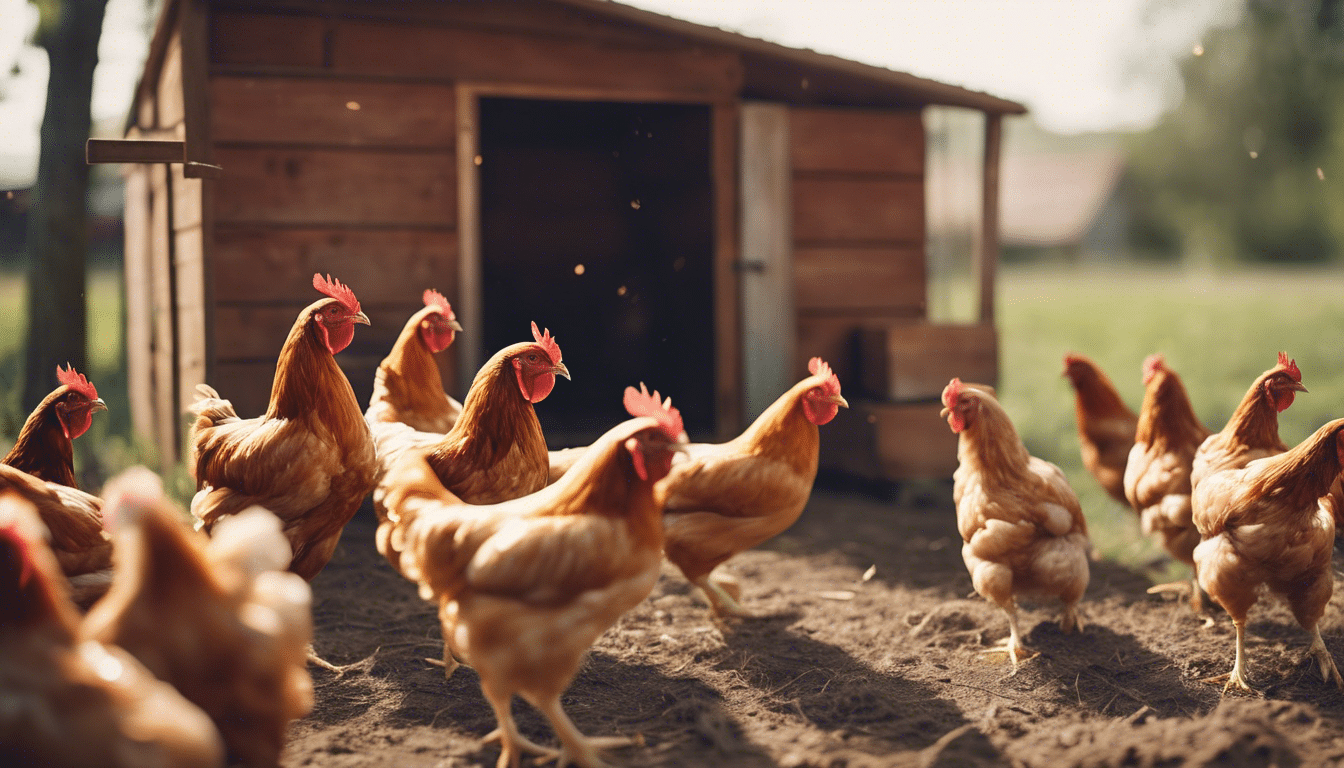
1078	65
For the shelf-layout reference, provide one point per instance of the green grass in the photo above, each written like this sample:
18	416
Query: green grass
1217	331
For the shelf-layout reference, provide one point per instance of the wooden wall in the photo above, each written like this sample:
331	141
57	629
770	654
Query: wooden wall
858	227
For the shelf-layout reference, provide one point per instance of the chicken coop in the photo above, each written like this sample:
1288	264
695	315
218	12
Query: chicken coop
678	204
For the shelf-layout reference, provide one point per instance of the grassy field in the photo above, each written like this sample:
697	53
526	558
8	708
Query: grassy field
1217	331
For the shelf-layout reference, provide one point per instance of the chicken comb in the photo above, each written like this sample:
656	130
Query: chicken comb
1290	366
336	290
818	367
951	392
1152	364
638	402
547	343
76	381
12	530
433	298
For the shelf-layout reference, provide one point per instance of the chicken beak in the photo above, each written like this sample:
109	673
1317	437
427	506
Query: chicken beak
561	370
456	326
1297	387
838	400
97	405
943	413
361	318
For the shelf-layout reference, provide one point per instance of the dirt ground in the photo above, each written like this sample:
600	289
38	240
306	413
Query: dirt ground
844	672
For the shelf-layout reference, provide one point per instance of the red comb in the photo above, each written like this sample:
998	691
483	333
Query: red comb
547	343
435	299
951	392
333	288
76	381
1151	364
818	367
1291	366
638	402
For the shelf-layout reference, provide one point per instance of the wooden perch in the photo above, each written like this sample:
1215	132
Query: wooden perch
147	151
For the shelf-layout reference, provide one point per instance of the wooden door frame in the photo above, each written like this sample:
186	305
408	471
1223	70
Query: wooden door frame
723	172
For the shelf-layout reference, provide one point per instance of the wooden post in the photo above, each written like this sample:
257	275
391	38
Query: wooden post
986	258
469	303
728	419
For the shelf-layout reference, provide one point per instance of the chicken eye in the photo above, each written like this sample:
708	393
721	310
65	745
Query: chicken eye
532	358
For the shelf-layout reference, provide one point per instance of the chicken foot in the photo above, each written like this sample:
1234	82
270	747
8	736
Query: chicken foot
449	662
512	743
575	748
723	594
1013	645
1322	655
1189	588
1237	677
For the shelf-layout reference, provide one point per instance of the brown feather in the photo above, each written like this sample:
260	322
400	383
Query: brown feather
42	449
408	387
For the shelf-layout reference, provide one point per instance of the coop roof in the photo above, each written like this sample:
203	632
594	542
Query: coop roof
770	71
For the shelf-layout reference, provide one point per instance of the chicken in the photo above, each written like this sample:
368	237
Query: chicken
1253	431
310	458
74	523
721	499
69	703
1021	524
44	448
525	587
1105	424
1272	523
218	618
495	451
407	388
1157	475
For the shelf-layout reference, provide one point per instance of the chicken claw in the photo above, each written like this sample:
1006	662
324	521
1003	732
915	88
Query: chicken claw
1237	677
723	593
1327	663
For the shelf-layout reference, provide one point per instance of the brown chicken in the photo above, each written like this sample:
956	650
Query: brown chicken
1272	523
68	703
218	618
495	451
721	499
526	586
1157	476
408	388
310	458
1021	524
74	524
45	449
1253	431
1105	424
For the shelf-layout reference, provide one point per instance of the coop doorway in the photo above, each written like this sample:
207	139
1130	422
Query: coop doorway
596	221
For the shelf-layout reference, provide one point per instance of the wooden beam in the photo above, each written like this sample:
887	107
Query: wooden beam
724	117
196	90
133	151
986	258
471	351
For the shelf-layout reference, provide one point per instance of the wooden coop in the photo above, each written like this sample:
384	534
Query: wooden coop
679	204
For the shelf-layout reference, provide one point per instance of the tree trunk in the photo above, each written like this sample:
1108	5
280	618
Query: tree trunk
57	241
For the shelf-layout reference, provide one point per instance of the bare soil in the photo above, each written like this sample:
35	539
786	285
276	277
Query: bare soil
890	671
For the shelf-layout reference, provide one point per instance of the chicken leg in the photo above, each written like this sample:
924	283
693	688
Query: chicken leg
1322	655
1237	677
512	743
723	594
1013	645
575	748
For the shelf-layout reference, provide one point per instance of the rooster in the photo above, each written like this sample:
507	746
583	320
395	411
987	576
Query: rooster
73	703
407	388
1021	524
1157	476
1253	431
45	449
721	499
495	451
218	618
1105	424
526	586
1272	523
310	458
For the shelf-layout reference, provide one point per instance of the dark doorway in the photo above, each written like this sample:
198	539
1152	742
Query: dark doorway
597	222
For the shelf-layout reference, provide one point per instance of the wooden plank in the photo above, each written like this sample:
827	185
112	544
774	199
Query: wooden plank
986	254
766	264
834	339
172	107
360	47
857	140
299	186
890	280
267	39
195	91
189	288
909	361
332	111
471	312
828	210
256	332
729	421
248	385
139	305
187	208
132	151
261	264
164	324
913	441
